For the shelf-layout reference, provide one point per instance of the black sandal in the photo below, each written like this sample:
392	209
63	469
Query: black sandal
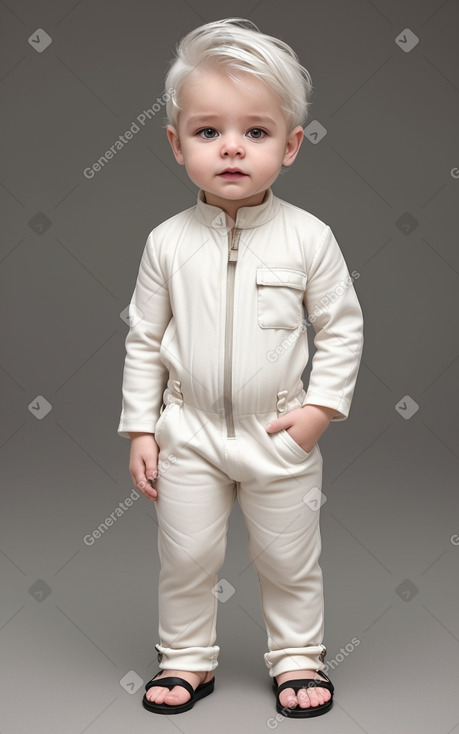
201	691
297	683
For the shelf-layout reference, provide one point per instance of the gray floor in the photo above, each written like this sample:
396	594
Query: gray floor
78	621
81	651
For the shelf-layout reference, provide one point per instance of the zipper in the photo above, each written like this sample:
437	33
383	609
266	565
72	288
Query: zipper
233	244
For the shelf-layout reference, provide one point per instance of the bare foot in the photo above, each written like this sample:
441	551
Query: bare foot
178	694
305	697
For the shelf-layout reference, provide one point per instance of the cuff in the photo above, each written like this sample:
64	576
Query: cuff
188	658
341	405
295	658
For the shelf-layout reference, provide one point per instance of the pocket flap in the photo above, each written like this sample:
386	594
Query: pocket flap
286	277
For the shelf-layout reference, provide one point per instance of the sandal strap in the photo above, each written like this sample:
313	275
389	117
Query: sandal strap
297	683
170	683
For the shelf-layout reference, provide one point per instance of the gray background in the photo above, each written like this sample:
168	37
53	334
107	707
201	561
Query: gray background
75	620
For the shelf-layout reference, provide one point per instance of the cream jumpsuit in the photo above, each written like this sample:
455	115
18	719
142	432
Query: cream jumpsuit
216	349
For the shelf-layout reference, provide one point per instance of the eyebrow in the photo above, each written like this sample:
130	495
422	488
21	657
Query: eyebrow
200	119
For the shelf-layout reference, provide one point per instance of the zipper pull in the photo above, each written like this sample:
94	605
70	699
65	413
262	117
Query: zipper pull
233	250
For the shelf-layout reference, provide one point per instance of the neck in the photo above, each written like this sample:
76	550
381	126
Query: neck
231	208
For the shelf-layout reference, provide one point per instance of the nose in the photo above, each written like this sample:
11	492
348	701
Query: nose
232	146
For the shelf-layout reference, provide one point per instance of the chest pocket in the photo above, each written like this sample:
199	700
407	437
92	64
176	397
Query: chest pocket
280	294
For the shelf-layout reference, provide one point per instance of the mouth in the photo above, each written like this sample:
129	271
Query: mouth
232	173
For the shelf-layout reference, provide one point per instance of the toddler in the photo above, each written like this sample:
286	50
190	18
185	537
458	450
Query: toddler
213	400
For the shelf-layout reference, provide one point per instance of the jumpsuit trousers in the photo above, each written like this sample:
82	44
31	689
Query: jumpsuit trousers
278	486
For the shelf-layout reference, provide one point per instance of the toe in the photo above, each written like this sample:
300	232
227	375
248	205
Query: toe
303	698
161	695
177	696
318	696
314	696
288	698
174	697
309	696
156	694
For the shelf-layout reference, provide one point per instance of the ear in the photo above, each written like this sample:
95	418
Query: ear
293	145
174	140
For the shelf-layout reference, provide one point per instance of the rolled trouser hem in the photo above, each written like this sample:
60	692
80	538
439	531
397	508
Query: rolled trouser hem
295	658
188	658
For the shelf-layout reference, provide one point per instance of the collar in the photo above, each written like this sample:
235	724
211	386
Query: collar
247	216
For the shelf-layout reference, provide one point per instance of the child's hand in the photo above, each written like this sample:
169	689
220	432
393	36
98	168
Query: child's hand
305	425
143	463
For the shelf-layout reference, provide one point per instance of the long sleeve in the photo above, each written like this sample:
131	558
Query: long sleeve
145	376
336	317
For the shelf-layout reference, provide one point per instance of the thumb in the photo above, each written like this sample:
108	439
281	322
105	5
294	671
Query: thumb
276	425
151	471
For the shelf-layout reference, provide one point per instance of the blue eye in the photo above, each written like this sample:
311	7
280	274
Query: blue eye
208	133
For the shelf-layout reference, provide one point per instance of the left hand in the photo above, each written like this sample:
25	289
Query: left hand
305	425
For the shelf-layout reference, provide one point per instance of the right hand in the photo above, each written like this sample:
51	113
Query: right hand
143	463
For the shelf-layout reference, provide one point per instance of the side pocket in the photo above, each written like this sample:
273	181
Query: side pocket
162	417
298	450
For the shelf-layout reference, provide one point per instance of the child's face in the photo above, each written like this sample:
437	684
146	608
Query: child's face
226	125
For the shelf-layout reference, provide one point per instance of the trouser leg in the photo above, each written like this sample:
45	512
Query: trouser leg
195	499
280	500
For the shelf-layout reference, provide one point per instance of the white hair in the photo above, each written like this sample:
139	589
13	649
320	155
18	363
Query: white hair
236	44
